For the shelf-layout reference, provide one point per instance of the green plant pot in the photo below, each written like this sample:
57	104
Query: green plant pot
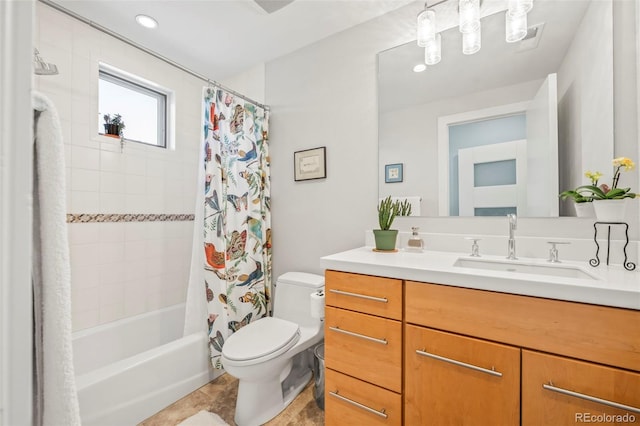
385	240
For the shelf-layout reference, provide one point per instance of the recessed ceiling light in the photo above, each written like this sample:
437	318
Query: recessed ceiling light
146	21
419	68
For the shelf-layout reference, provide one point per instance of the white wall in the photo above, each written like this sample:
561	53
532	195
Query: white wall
250	83
585	97
120	269
325	95
16	165
626	85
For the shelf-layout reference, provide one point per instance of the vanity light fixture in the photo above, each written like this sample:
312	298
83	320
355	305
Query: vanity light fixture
427	36
470	27
146	21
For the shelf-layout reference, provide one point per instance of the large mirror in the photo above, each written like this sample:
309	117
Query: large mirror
507	128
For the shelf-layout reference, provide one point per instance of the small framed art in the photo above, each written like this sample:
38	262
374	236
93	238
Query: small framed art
310	164
393	173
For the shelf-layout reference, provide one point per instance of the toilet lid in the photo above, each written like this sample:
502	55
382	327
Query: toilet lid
261	338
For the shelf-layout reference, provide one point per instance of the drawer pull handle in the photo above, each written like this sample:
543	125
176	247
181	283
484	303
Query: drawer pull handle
552	388
362	336
361	296
460	363
357	404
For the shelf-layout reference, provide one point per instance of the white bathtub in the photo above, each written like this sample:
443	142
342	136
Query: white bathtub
132	368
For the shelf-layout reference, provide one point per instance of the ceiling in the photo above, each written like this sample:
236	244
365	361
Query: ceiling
221	38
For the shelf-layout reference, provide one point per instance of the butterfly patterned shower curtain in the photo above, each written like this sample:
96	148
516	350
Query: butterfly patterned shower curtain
237	218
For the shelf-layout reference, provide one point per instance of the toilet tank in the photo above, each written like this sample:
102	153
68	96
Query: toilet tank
292	296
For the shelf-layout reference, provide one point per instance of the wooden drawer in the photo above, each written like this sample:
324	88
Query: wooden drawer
364	346
600	334
444	387
363	293
549	406
362	402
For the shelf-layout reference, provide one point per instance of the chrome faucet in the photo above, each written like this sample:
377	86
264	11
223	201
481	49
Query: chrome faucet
513	224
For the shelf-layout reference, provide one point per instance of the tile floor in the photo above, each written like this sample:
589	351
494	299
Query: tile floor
219	396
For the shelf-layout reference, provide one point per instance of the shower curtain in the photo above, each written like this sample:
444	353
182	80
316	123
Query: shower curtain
232	263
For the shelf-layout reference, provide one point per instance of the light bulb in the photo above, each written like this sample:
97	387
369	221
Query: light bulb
471	42
426	26
146	21
433	51
515	27
419	68
519	7
469	15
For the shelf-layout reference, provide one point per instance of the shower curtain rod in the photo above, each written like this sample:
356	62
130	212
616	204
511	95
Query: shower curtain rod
149	51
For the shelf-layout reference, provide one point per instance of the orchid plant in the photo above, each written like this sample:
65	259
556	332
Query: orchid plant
587	193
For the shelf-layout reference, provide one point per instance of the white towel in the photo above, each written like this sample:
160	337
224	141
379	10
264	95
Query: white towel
204	418
413	200
56	400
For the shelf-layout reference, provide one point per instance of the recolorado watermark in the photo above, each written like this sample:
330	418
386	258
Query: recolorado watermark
604	418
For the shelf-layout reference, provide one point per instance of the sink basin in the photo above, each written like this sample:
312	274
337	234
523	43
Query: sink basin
566	271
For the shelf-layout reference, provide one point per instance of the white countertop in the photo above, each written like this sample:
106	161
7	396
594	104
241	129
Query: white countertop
614	286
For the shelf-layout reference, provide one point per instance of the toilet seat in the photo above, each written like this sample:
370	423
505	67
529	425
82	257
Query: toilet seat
260	341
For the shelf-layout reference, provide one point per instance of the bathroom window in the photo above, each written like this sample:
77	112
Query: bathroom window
141	104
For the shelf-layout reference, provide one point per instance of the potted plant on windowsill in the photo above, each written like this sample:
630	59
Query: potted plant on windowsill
113	126
387	212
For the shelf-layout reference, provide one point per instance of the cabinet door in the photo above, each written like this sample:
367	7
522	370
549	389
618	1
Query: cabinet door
349	401
364	346
456	380
561	391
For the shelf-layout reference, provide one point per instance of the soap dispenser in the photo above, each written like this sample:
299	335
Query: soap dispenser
415	243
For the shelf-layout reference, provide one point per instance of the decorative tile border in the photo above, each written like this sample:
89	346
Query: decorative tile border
127	217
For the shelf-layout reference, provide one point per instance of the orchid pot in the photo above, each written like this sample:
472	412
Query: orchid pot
584	209
613	210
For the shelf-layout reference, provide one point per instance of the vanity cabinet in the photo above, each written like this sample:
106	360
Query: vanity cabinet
363	349
454	355
452	379
586	349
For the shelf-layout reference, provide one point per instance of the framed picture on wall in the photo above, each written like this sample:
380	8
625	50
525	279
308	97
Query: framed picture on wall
310	164
393	173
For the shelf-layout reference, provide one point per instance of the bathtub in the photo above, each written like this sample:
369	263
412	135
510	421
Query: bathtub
130	369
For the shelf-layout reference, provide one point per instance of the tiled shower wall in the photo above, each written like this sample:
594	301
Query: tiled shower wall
120	269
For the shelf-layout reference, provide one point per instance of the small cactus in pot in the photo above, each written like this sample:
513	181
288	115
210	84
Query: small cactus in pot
387	212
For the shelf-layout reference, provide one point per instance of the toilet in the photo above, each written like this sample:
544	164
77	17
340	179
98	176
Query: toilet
272	357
